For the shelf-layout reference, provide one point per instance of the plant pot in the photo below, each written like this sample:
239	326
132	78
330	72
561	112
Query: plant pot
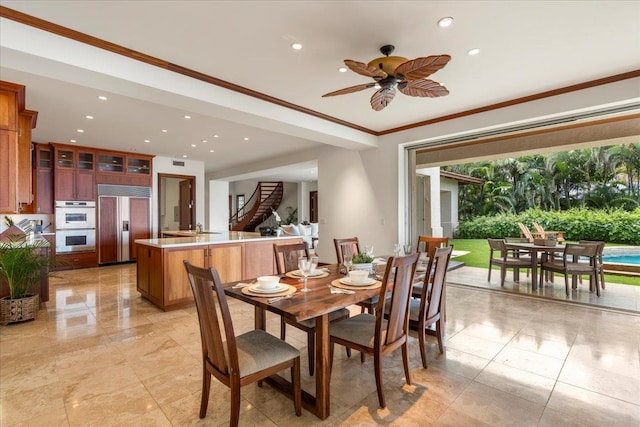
366	267
19	309
265	231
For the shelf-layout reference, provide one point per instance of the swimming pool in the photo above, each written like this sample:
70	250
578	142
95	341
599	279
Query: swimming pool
622	259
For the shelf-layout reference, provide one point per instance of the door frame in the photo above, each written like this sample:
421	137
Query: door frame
192	180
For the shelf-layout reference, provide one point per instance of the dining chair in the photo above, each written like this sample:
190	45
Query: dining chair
426	246
429	308
235	360
570	265
350	246
505	258
525	232
599	260
287	260
372	333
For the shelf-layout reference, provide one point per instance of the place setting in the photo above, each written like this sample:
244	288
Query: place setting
268	287
318	273
356	280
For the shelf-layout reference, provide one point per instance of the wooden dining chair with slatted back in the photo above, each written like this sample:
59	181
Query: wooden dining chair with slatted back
429	309
570	264
505	258
286	257
235	360
599	260
372	333
426	246
350	246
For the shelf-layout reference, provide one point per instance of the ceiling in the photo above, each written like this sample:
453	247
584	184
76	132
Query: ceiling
526	47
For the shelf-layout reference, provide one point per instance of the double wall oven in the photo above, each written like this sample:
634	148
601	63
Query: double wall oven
75	226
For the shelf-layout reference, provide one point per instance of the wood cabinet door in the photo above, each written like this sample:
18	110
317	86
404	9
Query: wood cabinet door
8	171
64	184
258	260
142	269
156	281
85	185
44	191
176	283
227	260
139	226
25	188
108	229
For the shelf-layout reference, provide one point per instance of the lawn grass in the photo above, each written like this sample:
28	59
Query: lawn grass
478	256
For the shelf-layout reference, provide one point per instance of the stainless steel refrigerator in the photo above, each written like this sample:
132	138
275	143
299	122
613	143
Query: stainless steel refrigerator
124	215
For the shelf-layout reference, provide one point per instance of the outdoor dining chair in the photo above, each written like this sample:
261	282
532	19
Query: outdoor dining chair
287	260
599	260
235	360
505	258
372	333
570	264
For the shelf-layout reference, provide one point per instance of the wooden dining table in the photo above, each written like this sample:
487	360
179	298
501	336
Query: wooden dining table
315	304
534	251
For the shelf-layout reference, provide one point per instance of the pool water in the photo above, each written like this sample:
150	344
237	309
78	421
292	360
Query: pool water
622	259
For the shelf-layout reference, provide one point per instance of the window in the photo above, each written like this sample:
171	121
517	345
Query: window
239	202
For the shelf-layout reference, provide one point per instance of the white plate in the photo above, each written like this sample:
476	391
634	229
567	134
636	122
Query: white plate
280	288
366	282
316	272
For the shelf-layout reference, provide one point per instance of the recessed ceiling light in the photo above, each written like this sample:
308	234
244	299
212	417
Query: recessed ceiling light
296	46
72	140
164	131
246	138
211	151
147	141
194	145
216	136
88	117
203	140
102	98
80	130
184	155
474	51
342	69
187	117
445	22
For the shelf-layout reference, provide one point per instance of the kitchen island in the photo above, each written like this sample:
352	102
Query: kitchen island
236	255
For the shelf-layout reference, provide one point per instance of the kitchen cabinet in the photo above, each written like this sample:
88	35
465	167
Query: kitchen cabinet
149	273
121	168
74	173
43	174
227	259
11	103
26	122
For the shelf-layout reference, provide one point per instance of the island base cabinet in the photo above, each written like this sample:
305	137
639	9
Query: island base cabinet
227	260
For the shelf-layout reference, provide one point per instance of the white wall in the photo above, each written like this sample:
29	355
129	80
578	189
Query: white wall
218	206
191	168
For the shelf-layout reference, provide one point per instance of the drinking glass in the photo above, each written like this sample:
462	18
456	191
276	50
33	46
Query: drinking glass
314	262
347	260
408	249
304	265
368	249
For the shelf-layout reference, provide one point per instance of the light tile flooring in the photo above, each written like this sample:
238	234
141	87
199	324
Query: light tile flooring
101	355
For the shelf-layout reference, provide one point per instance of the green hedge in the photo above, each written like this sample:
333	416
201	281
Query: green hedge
612	226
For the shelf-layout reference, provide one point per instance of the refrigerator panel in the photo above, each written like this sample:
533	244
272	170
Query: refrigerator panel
124	229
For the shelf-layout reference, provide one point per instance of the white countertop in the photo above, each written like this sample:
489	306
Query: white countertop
209	239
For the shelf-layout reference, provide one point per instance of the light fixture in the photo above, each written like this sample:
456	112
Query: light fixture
164	131
296	46
473	51
377	86
216	136
246	138
187	117
184	156
80	131
203	140
193	145
88	117
147	141
342	69
445	22
102	98
211	151
72	140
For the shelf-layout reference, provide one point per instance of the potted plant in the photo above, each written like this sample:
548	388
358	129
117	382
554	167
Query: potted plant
362	261
22	265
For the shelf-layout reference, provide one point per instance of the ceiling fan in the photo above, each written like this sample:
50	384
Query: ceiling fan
389	72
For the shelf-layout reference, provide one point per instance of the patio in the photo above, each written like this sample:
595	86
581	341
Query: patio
615	296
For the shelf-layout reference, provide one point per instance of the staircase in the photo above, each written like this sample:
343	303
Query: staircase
257	209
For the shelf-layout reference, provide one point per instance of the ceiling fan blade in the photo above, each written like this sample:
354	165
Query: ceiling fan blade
350	89
423	88
382	98
364	69
422	67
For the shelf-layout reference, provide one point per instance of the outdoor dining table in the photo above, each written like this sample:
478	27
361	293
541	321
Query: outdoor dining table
315	304
534	250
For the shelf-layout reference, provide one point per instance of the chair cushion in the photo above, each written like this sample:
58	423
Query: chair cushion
311	323
414	309
290	230
258	350
314	229
359	329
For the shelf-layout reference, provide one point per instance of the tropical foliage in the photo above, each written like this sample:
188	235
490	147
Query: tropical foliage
598	178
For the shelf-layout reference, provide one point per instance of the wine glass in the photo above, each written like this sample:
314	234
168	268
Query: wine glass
347	260
304	265
314	262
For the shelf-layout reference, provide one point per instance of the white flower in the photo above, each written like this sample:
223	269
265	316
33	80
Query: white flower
275	214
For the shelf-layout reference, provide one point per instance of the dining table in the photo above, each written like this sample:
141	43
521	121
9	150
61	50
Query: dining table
316	304
535	250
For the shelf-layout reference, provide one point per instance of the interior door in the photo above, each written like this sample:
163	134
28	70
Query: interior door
313	206
185	201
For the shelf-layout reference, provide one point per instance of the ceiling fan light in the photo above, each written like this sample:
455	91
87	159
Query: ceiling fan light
377	86
445	22
388	64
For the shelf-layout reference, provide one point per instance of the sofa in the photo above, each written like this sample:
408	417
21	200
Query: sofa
308	232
